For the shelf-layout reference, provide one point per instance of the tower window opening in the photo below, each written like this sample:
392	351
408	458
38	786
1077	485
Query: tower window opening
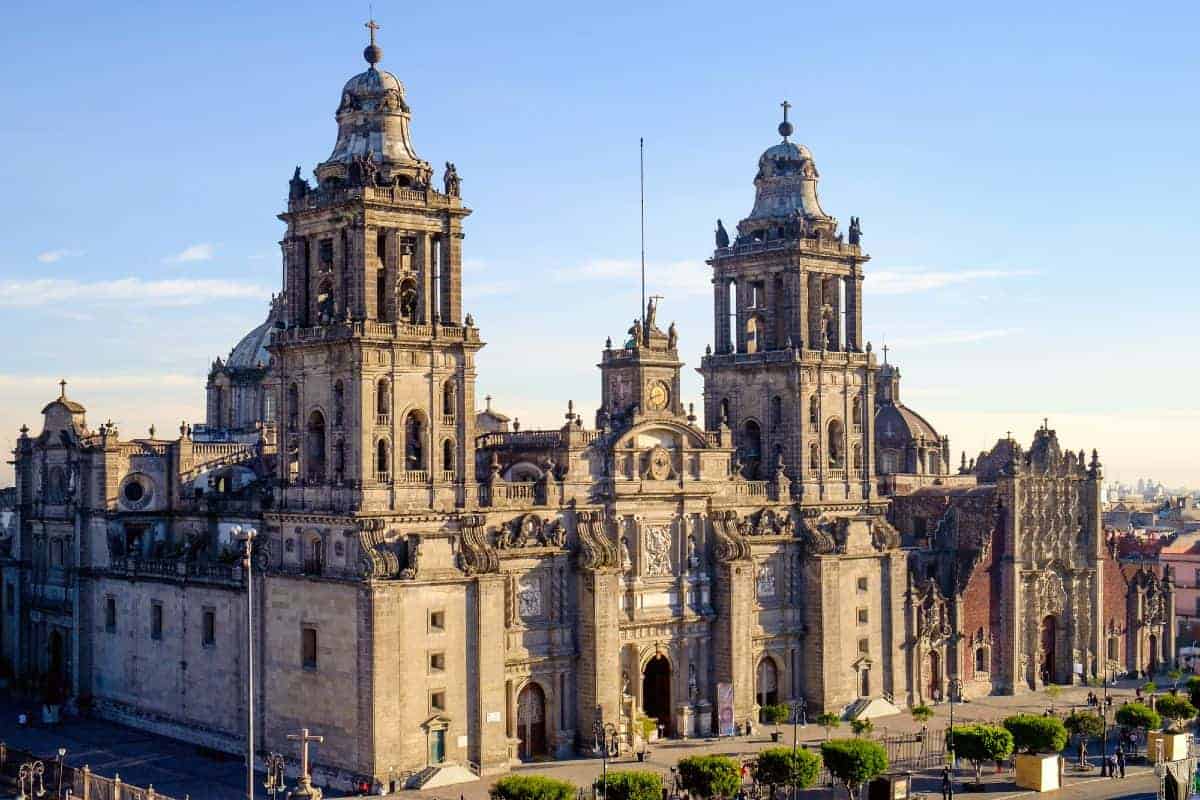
449	400
837	444
731	300
316	447
381	298
776	411
325	302
448	456
414	451
383	461
383	402
814	413
339	403
381	245
408	300
325	253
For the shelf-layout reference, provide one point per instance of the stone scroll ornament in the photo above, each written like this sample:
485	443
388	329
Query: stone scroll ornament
596	549
377	558
475	555
729	543
816	538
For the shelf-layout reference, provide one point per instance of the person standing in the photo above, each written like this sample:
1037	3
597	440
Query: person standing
1121	761
946	779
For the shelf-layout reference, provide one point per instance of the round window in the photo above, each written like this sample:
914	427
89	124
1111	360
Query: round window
134	492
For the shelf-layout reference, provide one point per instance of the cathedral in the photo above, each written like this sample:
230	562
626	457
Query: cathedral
435	589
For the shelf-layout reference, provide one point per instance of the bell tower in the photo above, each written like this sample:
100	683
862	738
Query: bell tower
789	372
375	358
642	377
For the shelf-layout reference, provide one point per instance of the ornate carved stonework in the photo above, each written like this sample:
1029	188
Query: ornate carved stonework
765	582
530	530
529	597
657	549
658	464
475	555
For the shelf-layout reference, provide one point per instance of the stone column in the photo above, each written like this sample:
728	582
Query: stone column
854	311
733	599
494	696
423	258
599	677
451	278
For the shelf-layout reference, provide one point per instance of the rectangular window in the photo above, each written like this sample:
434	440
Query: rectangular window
437	701
862	584
864	646
1197	581
1198	606
437	662
57	552
110	614
8	598
156	620
308	648
437	621
325	253
209	627
863	616
1113	645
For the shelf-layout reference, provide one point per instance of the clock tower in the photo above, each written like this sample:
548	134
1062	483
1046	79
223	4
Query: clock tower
640	379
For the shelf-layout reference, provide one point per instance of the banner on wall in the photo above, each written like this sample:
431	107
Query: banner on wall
728	726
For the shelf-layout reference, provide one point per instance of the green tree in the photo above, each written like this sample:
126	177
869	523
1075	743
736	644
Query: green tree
1034	734
862	727
921	714
853	762
779	766
1136	715
980	744
710	776
631	785
828	720
531	787
1193	687
776	715
1175	676
1174	709
1083	725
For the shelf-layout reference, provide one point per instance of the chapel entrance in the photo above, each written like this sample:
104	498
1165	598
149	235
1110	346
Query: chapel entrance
1049	635
768	683
656	690
935	676
531	722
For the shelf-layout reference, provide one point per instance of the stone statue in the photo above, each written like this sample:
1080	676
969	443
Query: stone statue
626	559
855	230
693	686
366	168
651	311
693	558
450	180
625	682
635	333
672	336
722	235
297	186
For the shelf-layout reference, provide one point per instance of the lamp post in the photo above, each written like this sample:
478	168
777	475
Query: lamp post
246	537
954	687
30	774
1104	726
797	709
62	753
605	735
274	765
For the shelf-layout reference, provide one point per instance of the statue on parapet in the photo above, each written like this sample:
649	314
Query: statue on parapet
450	180
722	235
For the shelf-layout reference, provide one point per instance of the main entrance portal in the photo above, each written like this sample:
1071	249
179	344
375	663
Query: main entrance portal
1049	634
656	691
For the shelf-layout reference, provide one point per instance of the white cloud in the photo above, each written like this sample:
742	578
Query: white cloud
907	281
955	337
195	252
98	382
52	256
174	292
673	277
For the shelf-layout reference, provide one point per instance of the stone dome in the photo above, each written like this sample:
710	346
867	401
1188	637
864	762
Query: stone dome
251	352
786	204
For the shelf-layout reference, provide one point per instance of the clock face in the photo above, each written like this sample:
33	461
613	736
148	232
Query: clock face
658	396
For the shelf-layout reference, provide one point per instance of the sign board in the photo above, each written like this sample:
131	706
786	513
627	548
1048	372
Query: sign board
727	725
493	716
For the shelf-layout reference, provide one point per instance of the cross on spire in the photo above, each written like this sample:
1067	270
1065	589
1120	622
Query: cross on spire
785	127
885	352
62	388
785	105
372	26
304	738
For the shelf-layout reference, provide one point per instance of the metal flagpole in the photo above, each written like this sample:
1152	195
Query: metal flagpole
642	198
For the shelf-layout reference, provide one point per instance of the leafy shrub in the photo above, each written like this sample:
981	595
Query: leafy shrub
853	762
531	787
631	785
775	714
828	720
1136	715
779	766
1174	709
980	744
921	713
710	776
862	727
1034	734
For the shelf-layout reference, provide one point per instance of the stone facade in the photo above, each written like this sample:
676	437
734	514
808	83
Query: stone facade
434	587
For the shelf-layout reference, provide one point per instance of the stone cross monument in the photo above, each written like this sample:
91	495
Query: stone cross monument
304	789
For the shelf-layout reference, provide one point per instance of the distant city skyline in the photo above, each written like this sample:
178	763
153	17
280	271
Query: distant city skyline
1026	184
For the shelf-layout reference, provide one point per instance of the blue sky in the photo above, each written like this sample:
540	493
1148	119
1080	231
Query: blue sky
1025	174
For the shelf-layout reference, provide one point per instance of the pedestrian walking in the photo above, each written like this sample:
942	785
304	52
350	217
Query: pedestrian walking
1121	761
1112	766
946	779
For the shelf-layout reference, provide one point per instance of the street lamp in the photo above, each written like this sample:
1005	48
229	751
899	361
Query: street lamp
274	765
30	774
62	753
798	707
605	734
954	687
246	537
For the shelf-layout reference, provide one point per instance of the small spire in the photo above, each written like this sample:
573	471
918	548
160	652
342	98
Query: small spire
373	52
785	127
62	389
885	351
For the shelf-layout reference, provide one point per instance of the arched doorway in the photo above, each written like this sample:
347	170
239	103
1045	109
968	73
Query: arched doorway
768	683
935	675
1049	634
751	449
656	690
1153	660
531	722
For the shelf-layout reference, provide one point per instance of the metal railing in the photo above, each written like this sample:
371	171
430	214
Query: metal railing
57	780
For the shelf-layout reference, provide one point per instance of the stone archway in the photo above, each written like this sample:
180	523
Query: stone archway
656	690
768	682
935	675
1049	635
531	722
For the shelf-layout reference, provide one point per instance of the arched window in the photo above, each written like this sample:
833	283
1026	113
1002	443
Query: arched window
339	404
449	399
383	461
383	402
293	407
857	461
776	411
981	661
314	556
315	437
408	300
768	683
856	417
325	302
754	332
814	457
381	298
448	456
339	460
414	450
837	444
751	448
814	414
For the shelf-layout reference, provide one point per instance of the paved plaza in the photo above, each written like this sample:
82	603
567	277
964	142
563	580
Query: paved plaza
181	770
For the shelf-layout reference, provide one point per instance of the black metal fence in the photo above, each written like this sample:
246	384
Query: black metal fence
28	773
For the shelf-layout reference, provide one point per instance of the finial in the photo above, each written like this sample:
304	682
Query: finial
62	389
373	52
487	401
885	352
785	127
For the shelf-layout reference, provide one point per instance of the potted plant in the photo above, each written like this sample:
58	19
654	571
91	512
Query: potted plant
828	720
980	744
853	762
1083	725
780	766
1171	744
1136	716
1040	740
776	715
